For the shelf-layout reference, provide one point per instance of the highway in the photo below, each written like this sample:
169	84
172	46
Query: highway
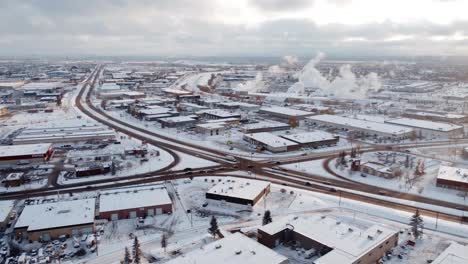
340	186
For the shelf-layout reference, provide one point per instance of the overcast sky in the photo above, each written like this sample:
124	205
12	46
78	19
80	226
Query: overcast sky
234	27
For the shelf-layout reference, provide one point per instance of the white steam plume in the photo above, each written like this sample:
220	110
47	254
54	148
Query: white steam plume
346	84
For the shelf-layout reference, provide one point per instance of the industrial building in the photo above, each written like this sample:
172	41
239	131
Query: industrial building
378	169
48	221
454	254
64	134
313	139
211	128
436	116
218	114
284	112
178	121
430	129
265	126
239	191
333	241
134	201
232	249
271	142
452	178
367	128
25	154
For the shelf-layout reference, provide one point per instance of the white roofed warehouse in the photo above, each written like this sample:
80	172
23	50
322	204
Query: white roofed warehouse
430	129
313	139
368	128
452	178
334	241
284	112
271	142
233	249
28	153
133	202
48	221
454	254
239	191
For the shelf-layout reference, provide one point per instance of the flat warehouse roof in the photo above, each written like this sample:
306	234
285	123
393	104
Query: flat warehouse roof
308	137
27	149
347	242
453	174
454	254
362	124
233	249
265	124
133	197
270	139
425	124
239	188
285	111
56	215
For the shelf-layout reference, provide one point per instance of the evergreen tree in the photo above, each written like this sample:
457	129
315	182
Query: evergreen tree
136	251
164	241
417	224
214	229
127	258
267	217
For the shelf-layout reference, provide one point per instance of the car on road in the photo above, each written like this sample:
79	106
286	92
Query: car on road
332	190
308	184
382	192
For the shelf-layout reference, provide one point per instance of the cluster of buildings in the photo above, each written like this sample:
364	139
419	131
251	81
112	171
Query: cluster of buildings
325	240
48	221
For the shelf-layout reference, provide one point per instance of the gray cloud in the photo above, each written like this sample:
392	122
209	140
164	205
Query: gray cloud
169	27
281	5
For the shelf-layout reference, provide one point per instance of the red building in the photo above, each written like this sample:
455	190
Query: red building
134	201
27	153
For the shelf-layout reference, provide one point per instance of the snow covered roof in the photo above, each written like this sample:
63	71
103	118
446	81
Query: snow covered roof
177	119
454	254
216	125
453	174
14	176
233	249
219	113
26	149
155	111
362	124
5	208
425	124
285	111
133	197
308	137
348	243
270	139
264	124
56	215
177	92
240	188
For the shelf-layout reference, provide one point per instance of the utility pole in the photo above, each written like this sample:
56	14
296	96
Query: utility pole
339	201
